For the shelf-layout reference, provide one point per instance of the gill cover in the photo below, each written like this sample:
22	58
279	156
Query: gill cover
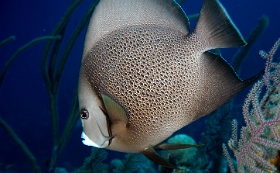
95	125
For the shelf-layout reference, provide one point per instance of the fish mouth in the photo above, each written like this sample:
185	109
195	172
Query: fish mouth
87	141
100	139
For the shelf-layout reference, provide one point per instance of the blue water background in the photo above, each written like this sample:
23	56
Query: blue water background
24	101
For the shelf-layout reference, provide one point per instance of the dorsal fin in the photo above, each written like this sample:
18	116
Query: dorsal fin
220	83
110	15
115	111
215	27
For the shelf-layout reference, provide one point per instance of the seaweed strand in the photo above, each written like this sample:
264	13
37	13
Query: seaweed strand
72	117
241	55
20	50
57	31
21	144
72	42
7	40
46	75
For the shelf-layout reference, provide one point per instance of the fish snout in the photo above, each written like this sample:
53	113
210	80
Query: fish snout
99	141
95	130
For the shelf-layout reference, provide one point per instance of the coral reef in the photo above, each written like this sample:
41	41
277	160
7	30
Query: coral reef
131	164
255	151
189	159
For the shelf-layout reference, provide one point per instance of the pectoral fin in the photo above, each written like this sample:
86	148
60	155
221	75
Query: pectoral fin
151	154
115	111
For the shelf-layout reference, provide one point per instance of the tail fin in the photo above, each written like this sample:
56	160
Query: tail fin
215	27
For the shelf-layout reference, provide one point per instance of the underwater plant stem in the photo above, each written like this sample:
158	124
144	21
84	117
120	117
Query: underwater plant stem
54	53
57	31
7	40
70	124
53	159
193	16
21	144
20	50
55	129
73	115
180	1
241	55
72	41
54	117
48	71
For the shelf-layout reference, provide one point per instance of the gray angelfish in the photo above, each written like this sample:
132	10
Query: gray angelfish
144	75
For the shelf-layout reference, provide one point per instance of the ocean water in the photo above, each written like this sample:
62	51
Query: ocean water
24	100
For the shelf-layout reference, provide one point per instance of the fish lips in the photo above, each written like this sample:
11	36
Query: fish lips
93	136
99	144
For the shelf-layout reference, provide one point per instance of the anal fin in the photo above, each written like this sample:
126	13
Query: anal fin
220	83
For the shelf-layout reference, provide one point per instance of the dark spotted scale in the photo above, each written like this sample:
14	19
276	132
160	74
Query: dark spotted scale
152	76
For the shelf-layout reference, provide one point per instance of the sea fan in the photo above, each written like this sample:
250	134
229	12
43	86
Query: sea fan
260	139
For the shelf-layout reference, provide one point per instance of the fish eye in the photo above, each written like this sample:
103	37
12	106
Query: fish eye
84	113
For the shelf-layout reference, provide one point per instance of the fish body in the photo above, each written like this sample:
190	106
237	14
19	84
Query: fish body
144	75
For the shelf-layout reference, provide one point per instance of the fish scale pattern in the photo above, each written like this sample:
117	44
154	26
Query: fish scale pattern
155	77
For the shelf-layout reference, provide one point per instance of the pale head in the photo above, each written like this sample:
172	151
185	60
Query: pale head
94	121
